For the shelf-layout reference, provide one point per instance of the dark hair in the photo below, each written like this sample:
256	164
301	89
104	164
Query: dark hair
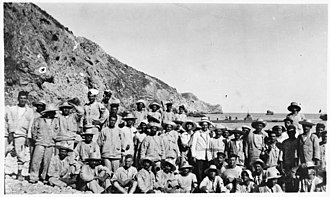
291	127
23	93
129	156
320	125
113	116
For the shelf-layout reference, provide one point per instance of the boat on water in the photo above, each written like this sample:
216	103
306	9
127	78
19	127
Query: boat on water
269	112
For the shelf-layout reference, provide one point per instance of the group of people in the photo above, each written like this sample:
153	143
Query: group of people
154	150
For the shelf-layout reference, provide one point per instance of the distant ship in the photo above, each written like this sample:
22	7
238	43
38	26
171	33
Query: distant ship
269	112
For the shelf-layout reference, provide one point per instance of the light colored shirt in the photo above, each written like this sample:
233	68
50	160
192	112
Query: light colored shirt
216	145
265	189
146	180
20	120
153	147
213	186
83	150
128	134
140	115
232	172
186	182
95	111
121	175
111	143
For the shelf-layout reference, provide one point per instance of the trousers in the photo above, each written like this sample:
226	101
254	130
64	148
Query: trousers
41	154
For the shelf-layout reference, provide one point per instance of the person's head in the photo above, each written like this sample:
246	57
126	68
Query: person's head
91	97
189	126
258	125
258	166
221	157
237	134
181	109
112	121
94	163
168	127
306	125
246	175
139	106
88	138
218	133
169	107
232	159
128	161
153	129
294	107
106	96
271	182
287	122
40	105
147	164
225	133
320	127
324	136
154	107
212	174
291	131
168	167
278	129
246	129
65	111
272	137
22	98
311	173
204	125
114	109
143	126
62	153
49	114
185	171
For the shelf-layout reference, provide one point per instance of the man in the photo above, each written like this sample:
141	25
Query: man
146	179
86	147
235	146
62	171
124	179
308	144
40	106
320	127
168	115
20	120
288	154
296	116
152	146
233	171
187	180
95	176
138	139
170	139
199	148
212	183
272	150
323	149
128	133
287	122
181	116
44	130
140	113
220	162
259	175
154	106
111	143
270	185
217	143
185	139
165	178
309	181
280	132
255	141
107	98
95	113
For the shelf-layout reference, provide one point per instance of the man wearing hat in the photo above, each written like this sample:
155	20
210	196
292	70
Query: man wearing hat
255	141
270	185
95	176
107	98
128	133
185	139
142	132
309	180
146	178
20	119
320	127
272	149
323	149
187	180
140	113
111	144
280	133
62	170
165	178
168	115
199	148
153	145
308	144
94	112
235	146
288	153
233	171
247	185
296	116
88	146
220	162
181	116
40	106
170	139
44	131
154	106
259	175
217	142
124	179
212	183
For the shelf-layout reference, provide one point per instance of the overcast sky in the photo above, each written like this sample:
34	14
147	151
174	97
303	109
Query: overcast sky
244	57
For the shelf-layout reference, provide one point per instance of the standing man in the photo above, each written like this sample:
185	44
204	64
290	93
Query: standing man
40	106
168	115
308	144
111	143
20	120
140	113
296	116
128	133
94	113
199	148
107	98
155	111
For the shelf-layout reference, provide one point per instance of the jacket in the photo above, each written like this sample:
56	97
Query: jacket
43	134
308	150
20	126
153	147
200	146
111	143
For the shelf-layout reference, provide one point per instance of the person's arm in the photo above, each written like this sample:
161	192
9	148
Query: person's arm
144	146
316	150
100	140
85	175
29	134
140	182
133	188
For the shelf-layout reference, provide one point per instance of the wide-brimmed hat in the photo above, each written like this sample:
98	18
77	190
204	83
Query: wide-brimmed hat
278	126
219	127
93	157
237	130
141	101
247	127
294	104
153	119
39	102
65	105
168	103
64	147
211	168
249	173
178	122
154	103
165	123
259	161
198	127
74	100
64	137
185	165
115	102
89	126
189	122
93	92
272	173
129	117
258	121
306	122
205	119
88	132
153	124
170	163
49	108
148	159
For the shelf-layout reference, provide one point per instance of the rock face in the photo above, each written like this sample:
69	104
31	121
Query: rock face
46	59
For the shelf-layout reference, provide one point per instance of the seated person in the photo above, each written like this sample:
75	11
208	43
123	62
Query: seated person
165	178
220	162
62	170
94	176
146	178
270	186
187	180
86	147
124	179
212	183
232	171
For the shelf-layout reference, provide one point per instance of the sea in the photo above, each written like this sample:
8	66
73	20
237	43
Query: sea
240	116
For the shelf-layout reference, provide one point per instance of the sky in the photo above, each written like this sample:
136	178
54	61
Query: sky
247	58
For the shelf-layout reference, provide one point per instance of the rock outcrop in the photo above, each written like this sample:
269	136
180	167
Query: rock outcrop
46	59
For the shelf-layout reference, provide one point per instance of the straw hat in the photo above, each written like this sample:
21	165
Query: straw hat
141	101
258	121
168	103
179	122
185	165
49	108
64	147
88	132
153	124
129	117
74	100
288	119
93	92
249	173
205	119
247	127
211	168
154	103
221	153
219	127
65	105
306	122
294	104
94	157
278	126
39	102
152	119
169	162
189	122
64	137
259	161
272	173
147	159
169	123
237	130
115	102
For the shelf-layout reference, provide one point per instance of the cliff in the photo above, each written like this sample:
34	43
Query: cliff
46	59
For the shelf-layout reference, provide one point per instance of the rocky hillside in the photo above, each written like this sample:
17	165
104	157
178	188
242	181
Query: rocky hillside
191	98
46	59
